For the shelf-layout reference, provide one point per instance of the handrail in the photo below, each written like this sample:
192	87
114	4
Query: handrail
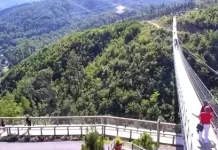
102	126
126	122
80	131
184	118
86	117
202	92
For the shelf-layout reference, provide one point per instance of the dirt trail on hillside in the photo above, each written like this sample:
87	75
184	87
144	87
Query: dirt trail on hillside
154	23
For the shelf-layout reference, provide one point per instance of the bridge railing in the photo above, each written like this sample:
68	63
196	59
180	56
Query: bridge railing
106	120
188	135
202	92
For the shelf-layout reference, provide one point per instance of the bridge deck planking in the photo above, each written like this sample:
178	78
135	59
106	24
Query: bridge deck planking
166	138
191	103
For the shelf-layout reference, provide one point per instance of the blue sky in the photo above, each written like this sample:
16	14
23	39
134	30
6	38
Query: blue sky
9	3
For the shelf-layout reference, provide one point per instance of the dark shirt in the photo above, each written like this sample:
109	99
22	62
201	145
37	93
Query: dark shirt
2	123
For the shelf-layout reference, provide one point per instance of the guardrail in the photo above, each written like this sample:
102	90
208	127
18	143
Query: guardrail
184	119
182	110
105	130
202	92
106	120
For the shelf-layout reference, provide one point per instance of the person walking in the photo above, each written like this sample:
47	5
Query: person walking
28	121
3	124
205	120
203	108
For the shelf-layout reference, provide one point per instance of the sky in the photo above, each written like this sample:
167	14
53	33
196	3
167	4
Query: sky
9	3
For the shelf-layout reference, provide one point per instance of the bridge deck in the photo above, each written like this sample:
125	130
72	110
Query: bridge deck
190	104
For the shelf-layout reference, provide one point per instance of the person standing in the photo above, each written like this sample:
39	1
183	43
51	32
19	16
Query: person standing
28	121
203	108
205	120
3	124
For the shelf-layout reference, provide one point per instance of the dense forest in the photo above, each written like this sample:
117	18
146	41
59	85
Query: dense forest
198	30
28	27
124	70
200	37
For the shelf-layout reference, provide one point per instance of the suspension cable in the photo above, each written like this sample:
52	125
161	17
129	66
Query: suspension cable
198	59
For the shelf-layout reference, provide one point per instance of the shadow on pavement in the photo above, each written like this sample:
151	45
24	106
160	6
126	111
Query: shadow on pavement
209	146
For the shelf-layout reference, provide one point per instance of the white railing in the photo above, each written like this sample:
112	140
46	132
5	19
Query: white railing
80	130
188	135
106	120
183	116
202	92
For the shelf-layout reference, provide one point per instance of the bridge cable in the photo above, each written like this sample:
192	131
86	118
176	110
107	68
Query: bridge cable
211	69
199	60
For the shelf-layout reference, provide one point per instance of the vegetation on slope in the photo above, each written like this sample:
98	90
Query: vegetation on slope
204	43
28	27
198	33
123	70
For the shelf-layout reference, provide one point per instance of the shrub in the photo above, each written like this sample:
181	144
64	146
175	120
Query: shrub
146	142
93	141
41	139
10	138
27	139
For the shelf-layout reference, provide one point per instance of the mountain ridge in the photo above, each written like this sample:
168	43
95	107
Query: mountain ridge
28	27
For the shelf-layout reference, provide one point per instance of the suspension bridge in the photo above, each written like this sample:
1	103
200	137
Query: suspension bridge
191	94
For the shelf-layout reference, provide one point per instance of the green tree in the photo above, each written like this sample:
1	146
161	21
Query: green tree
9	108
146	142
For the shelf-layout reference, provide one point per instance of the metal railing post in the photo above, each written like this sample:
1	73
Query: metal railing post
81	128
57	121
28	131
9	130
41	130
158	131
68	133
18	131
104	130
117	131
54	130
130	137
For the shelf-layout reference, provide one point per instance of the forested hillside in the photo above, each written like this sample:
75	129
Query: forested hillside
123	70
199	34
203	42
28	27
